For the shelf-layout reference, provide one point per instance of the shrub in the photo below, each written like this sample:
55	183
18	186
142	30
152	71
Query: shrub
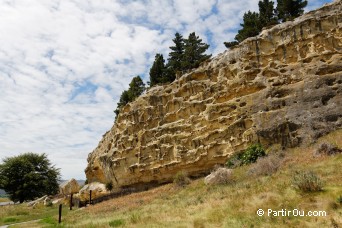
234	161
109	186
116	223
307	181
326	149
250	155
339	200
181	179
266	165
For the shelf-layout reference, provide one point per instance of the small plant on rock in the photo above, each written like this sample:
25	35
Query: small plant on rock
307	181
109	186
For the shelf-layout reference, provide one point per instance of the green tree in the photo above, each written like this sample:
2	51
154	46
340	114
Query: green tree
267	13
124	99
136	88
157	71
27	176
290	9
175	57
251	26
194	51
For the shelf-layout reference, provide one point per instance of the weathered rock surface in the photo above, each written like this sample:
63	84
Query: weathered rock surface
98	190
219	176
281	87
69	187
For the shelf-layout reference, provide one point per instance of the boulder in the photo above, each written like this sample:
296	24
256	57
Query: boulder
219	176
98	189
69	187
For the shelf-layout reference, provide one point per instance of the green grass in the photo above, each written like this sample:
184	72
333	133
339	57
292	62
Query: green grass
116	223
21	213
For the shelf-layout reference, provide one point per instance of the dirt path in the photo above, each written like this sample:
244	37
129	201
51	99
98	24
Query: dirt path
9	225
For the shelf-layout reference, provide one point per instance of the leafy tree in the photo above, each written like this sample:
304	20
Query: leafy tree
136	88
175	57
290	9
28	176
194	51
267	13
251	26
157	70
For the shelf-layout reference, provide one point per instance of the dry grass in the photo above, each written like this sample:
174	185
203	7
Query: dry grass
4	200
234	205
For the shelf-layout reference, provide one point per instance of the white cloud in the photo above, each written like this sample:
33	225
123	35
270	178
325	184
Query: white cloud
64	64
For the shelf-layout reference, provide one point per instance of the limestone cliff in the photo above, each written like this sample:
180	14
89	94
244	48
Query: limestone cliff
281	87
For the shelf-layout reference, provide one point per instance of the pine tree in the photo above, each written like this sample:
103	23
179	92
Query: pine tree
251	26
136	88
267	13
124	99
290	9
194	51
175	56
157	70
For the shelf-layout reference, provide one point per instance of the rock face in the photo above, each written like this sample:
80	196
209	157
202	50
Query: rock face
281	87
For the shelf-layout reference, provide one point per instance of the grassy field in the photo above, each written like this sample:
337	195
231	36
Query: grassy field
4	199
231	205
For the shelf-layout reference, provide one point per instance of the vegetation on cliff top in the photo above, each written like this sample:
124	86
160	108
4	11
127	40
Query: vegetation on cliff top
268	15
186	54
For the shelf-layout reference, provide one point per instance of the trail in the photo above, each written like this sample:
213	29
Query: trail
9	225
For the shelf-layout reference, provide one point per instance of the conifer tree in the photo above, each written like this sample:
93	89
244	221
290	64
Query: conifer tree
136	88
157	70
267	13
175	56
251	26
290	9
194	51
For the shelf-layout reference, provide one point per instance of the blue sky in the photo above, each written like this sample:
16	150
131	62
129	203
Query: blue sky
64	64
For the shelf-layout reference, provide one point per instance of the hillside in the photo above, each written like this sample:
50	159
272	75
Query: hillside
231	205
281	87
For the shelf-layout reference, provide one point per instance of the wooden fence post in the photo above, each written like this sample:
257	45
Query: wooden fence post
71	202
90	197
60	214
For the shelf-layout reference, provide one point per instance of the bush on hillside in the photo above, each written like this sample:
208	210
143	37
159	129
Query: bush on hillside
109	186
266	165
181	179
326	149
307	181
250	155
